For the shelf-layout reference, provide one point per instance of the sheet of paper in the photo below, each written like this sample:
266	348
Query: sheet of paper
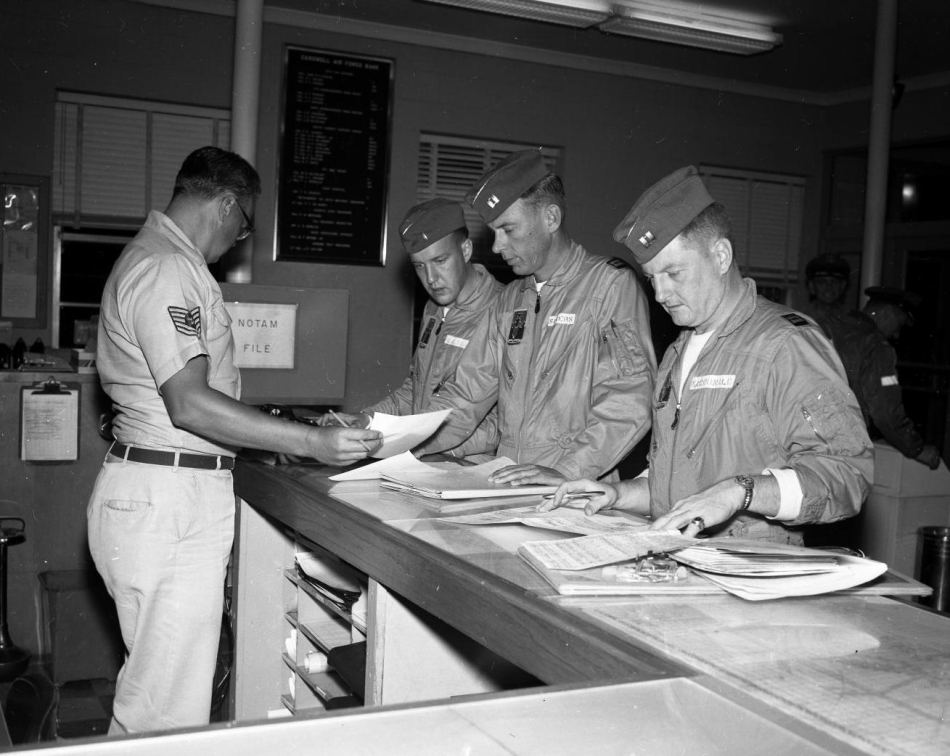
595	550
49	427
460	482
849	572
562	519
404	432
396	464
733	556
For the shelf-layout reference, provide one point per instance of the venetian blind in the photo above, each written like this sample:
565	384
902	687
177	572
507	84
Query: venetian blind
449	166
115	159
767	211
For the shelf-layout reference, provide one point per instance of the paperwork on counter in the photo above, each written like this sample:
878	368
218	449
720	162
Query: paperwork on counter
597	550
395	465
753	570
459	482
404	432
567	520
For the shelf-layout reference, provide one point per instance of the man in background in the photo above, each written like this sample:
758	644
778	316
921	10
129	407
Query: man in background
864	339
461	293
755	432
827	277
566	353
161	515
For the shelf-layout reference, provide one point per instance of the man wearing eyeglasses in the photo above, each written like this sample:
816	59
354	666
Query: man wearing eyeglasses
161	515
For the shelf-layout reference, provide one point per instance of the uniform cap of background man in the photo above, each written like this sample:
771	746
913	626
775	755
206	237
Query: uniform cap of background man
498	189
428	222
661	212
906	300
828	264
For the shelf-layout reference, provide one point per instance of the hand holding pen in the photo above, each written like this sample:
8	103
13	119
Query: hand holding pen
342	445
595	495
344	419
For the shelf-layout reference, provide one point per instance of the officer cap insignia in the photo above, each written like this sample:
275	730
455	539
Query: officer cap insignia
661	212
506	182
428	222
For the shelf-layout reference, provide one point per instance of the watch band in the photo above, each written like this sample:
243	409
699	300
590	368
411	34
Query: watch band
748	483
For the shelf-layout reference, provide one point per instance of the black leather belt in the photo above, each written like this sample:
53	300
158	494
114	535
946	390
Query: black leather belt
171	459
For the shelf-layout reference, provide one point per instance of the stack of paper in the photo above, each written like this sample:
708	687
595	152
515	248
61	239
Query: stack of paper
757	570
566	520
597	550
459	482
396	465
732	556
753	570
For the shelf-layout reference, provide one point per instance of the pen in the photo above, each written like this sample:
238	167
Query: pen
575	495
339	419
345	424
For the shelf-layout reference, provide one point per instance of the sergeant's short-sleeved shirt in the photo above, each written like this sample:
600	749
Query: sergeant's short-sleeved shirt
161	307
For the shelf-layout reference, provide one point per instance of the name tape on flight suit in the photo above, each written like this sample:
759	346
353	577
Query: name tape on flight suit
456	342
712	382
562	318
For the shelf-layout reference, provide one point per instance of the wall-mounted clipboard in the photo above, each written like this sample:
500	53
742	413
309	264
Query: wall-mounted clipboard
49	422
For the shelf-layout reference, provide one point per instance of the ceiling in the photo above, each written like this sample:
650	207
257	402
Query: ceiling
827	49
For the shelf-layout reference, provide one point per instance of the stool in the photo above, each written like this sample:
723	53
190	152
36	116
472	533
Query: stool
13	660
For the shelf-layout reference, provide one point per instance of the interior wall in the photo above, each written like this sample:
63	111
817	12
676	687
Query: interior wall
618	134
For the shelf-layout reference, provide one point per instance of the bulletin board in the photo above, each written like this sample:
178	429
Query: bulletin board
24	250
333	169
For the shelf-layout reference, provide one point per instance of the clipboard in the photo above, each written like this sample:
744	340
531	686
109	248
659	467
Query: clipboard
49	422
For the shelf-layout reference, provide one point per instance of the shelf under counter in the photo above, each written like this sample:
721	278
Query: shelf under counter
478	586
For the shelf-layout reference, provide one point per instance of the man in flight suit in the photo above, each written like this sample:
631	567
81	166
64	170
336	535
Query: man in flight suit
161	515
755	431
461	293
566	353
863	339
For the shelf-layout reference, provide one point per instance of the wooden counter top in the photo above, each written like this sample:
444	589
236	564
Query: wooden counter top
869	672
491	597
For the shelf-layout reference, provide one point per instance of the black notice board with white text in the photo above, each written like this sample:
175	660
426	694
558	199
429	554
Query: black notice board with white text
334	158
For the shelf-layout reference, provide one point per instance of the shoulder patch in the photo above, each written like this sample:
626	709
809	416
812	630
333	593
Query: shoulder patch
617	262
795	319
187	322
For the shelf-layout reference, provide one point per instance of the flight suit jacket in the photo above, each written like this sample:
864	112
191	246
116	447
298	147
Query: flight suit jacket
571	369
871	365
438	352
767	391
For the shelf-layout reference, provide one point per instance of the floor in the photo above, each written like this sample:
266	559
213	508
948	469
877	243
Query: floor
37	711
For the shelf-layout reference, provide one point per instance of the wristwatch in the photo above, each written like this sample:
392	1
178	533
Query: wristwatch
748	483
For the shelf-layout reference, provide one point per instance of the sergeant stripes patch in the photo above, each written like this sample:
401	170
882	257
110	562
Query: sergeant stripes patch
187	322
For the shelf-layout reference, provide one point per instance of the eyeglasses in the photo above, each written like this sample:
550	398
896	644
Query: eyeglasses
248	228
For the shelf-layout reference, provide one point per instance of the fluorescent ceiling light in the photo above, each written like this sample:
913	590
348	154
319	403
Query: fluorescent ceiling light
682	24
577	13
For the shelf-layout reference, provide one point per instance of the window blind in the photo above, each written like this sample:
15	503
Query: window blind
767	211
449	166
115	159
